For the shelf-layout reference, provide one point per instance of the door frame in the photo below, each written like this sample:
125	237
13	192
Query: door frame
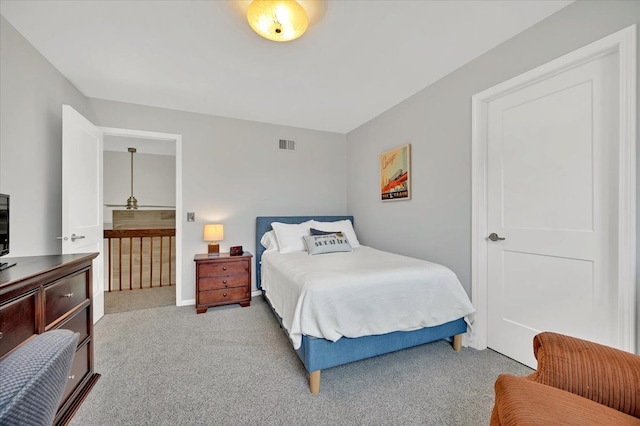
624	43
142	134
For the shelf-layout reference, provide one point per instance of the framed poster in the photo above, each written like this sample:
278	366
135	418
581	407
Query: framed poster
395	174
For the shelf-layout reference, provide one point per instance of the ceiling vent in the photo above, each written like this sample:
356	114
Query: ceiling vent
287	144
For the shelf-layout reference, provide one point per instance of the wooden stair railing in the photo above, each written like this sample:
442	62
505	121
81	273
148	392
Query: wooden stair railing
165	259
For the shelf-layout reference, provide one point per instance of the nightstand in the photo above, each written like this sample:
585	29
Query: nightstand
222	280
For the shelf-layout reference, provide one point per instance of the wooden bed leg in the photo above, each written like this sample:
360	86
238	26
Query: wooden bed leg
314	382
457	342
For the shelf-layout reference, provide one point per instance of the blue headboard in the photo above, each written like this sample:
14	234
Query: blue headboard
263	225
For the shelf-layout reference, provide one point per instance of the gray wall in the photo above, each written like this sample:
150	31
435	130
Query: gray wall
234	171
436	223
32	92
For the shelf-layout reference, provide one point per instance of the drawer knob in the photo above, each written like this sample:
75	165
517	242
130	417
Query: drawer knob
224	295
224	268
224	281
69	295
1	334
71	377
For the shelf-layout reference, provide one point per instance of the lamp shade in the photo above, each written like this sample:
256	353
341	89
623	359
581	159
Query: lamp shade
277	20
213	232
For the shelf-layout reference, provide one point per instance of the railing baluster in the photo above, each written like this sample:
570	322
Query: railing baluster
110	254
170	243
140	263
130	263
140	266
161	260
120	263
151	263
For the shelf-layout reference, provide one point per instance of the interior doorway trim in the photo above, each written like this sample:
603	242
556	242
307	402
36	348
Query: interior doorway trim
624	43
112	131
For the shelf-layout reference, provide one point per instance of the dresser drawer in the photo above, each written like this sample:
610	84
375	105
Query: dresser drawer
222	268
17	322
62	296
79	369
221	282
79	323
222	296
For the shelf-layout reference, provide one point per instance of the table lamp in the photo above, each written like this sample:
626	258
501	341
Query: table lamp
213	233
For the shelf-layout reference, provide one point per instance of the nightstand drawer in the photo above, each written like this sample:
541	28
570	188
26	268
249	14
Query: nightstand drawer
223	268
217	283
222	296
17	322
64	295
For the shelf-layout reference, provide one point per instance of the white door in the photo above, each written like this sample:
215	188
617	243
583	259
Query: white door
82	226
552	195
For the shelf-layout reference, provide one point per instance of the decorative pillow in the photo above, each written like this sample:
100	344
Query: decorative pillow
315	231
269	241
290	235
340	225
329	243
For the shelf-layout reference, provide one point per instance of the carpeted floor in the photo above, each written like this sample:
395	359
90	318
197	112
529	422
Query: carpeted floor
133	300
234	366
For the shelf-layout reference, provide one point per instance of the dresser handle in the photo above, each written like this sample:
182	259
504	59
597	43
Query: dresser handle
1	334
68	295
224	268
224	295
71	377
224	281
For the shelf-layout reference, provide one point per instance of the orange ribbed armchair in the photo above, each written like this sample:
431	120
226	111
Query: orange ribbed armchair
577	383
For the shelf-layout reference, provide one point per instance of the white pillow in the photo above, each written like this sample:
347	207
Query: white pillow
290	235
269	242
339	226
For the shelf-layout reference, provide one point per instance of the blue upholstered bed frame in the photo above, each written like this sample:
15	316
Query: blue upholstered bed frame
317	354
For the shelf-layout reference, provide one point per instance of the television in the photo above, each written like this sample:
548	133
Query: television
4	230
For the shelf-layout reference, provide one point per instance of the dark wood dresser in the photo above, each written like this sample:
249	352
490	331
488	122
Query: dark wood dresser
42	293
222	280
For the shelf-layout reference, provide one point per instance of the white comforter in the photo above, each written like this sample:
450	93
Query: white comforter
361	293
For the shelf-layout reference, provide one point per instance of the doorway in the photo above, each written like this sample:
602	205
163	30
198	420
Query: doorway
154	146
553	178
139	191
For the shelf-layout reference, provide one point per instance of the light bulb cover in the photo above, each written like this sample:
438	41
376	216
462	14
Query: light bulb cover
277	20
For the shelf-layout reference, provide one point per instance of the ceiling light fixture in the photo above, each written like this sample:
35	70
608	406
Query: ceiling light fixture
277	20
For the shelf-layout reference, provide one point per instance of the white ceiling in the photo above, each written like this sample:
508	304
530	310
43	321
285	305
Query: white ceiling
357	59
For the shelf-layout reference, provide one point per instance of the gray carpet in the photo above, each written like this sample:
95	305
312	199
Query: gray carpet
234	366
144	298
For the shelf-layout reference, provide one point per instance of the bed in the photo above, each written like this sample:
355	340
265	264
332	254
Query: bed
318	353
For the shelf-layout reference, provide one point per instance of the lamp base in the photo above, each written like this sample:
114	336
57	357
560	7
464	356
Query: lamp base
214	249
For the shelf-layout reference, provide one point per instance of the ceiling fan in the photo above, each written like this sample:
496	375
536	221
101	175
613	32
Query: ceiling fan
132	202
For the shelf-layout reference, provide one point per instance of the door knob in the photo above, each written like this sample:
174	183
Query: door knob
495	237
76	237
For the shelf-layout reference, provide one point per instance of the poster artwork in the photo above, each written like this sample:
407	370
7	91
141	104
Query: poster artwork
395	174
